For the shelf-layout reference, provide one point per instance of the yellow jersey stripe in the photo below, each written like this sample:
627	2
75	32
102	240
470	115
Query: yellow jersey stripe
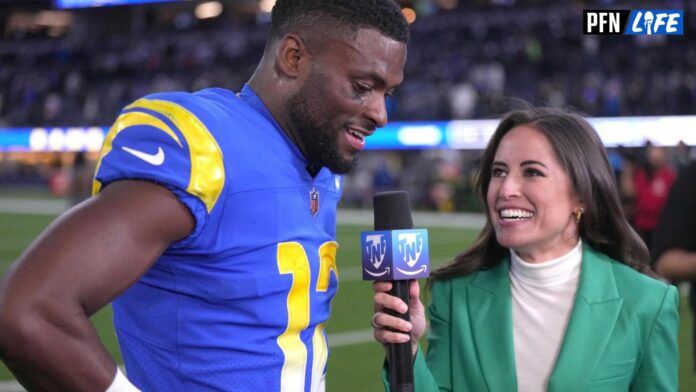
122	122
207	167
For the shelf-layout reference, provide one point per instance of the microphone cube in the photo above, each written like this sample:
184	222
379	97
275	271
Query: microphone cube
395	254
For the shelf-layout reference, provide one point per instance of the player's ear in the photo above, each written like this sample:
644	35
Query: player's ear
292	56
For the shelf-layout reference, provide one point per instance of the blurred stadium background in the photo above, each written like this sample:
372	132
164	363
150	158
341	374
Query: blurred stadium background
65	72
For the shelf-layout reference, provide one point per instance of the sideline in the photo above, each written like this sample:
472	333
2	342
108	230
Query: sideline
32	206
454	220
463	220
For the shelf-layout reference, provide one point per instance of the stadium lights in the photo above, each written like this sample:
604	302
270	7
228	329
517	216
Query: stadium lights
266	5
211	9
54	139
426	135
409	14
457	134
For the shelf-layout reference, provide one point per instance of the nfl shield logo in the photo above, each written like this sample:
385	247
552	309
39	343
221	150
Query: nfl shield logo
314	202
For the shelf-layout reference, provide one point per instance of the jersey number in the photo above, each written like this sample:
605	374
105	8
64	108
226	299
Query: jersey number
292	259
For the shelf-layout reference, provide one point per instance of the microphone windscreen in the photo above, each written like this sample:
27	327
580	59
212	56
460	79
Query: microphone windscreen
392	211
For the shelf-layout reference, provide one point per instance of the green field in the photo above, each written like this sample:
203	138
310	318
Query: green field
352	366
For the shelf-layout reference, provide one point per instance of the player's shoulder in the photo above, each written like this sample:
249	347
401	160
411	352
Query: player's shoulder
170	138
203	108
206	99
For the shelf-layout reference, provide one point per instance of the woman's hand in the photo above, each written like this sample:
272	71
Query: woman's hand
391	329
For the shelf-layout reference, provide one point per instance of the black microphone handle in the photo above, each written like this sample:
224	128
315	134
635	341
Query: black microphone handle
400	355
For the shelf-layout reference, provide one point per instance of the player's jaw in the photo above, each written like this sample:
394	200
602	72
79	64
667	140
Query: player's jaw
335	148
326	145
330	140
341	146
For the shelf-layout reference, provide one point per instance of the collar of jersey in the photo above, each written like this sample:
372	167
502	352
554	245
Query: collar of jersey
248	95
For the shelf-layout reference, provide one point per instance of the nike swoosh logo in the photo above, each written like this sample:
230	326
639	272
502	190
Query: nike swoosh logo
153	159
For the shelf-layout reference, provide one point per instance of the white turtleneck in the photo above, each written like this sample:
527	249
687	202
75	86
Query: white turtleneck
542	299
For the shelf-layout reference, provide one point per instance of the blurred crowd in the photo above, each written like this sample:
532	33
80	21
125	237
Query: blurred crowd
474	61
441	180
464	63
436	180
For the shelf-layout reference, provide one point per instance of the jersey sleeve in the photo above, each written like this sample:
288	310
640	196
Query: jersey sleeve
159	140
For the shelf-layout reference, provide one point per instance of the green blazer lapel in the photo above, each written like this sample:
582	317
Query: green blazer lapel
596	309
490	311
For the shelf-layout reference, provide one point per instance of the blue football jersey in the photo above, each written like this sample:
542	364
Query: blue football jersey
240	304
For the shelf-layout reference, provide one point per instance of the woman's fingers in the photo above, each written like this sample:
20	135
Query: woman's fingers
385	337
386	301
414	289
390	329
381	287
386	321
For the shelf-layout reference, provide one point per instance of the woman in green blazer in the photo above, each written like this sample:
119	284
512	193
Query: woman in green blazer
556	294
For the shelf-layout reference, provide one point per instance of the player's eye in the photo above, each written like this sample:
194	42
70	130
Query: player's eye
361	88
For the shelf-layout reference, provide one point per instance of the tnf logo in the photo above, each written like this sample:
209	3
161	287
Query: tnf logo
633	22
375	249
410	247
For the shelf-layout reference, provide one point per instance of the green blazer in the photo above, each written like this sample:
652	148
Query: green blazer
622	333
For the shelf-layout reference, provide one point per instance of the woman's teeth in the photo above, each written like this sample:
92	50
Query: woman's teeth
515	214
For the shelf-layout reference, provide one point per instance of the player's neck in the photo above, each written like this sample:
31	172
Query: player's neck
271	93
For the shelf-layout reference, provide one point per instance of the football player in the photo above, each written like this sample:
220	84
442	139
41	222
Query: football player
212	226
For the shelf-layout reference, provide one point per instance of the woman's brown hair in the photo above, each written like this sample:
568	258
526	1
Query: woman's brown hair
581	153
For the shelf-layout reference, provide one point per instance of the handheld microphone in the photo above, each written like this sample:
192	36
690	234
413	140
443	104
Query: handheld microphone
398	253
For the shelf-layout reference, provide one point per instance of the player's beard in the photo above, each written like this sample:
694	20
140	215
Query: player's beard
320	140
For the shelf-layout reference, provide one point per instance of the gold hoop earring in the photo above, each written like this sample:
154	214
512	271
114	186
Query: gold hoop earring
578	214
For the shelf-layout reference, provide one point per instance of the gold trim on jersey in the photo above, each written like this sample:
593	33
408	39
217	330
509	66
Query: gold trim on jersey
207	167
122	122
327	263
